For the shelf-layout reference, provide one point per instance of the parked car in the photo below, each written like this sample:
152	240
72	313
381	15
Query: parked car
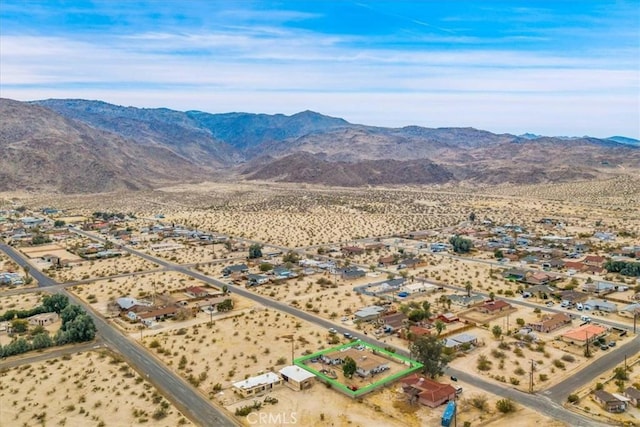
454	378
549	304
604	347
612	344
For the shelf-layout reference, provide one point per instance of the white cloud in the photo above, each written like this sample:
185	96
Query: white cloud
289	72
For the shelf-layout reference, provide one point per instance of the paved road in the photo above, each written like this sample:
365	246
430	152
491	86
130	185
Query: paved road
538	403
603	365
188	400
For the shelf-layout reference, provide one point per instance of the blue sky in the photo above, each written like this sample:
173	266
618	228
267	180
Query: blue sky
548	67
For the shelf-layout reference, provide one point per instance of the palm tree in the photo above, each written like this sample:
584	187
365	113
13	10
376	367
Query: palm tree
468	288
440	326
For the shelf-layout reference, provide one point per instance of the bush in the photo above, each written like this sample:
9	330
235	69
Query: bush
514	381
484	364
505	406
479	401
573	398
568	358
558	364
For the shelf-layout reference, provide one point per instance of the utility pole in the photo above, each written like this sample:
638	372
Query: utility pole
531	378
635	317
586	351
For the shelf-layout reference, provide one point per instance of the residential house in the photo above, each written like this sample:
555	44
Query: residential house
540	278
418	287
633	394
594	260
351	250
460	341
43	319
148	317
575	266
584	333
282	273
413	262
393	322
602	305
438	247
130	304
541	291
553	263
368	314
414	332
427	391
237	268
296	378
466	301
256	279
572	297
253	386
494	307
631	310
447	317
551	322
352	273
208	305
609	402
12	279
196	292
599	287
385	261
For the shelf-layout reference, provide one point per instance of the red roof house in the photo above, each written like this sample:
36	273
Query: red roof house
428	392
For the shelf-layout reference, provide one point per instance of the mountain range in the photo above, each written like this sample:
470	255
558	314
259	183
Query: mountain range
75	146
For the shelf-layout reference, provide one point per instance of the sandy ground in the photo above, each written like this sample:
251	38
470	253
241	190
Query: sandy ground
86	389
252	340
588	406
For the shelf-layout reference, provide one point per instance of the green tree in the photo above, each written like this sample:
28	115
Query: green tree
41	340
498	254
349	367
291	257
255	251
225	289
226	305
426	307
460	244
439	326
472	217
69	313
496	331
19	326
265	266
416	315
55	303
468	287
59	223
427	350
81	328
620	374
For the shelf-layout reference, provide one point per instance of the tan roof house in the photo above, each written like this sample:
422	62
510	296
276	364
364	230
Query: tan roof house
551	322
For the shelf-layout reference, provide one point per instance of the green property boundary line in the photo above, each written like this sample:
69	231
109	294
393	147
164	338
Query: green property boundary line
413	367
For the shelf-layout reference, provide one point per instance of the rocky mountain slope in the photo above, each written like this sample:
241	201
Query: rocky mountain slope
87	146
44	151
